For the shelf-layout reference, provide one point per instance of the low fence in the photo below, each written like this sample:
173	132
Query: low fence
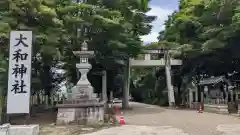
39	104
216	101
43	100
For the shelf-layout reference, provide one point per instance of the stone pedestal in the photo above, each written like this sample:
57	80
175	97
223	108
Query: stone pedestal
4	129
80	114
24	130
8	129
82	105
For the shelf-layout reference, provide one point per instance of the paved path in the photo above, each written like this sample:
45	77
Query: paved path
227	129
152	120
140	130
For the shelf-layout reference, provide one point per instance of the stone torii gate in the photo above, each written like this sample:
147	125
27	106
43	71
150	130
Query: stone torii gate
167	61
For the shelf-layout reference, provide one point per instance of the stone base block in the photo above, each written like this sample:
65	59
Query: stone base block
221	109
24	130
194	105
8	129
89	115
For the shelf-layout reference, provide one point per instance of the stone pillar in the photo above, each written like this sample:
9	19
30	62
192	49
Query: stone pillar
125	99
222	97
232	96
205	91
147	57
111	96
227	91
226	99
190	98
196	95
104	88
171	97
202	97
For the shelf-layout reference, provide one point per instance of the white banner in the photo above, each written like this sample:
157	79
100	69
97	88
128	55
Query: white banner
19	74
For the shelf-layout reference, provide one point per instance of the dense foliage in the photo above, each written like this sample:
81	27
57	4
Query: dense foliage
111	28
205	35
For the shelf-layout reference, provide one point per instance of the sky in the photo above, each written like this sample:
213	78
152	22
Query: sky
162	9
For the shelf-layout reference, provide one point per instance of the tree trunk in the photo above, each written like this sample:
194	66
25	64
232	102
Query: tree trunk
171	98
2	103
47	79
125	100
179	91
156	85
38	99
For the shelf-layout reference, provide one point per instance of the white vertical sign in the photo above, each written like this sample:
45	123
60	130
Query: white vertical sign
19	74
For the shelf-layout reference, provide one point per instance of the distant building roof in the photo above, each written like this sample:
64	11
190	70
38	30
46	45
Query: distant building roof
214	80
154	47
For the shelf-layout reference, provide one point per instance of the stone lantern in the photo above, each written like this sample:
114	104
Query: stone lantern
82	105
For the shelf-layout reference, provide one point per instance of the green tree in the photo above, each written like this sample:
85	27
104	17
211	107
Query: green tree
206	35
111	28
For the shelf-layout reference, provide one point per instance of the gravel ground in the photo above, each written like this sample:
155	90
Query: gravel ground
146	119
190	121
152	120
140	130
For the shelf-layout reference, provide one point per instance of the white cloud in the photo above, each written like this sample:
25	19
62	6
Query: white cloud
162	15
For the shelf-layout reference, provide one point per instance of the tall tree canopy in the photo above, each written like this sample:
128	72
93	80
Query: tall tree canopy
207	32
111	28
205	35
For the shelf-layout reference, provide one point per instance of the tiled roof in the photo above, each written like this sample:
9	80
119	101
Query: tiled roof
212	80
